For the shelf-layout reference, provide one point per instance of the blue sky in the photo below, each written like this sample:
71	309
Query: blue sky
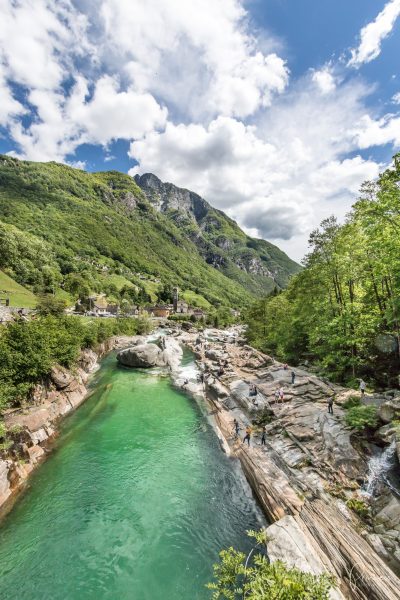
274	110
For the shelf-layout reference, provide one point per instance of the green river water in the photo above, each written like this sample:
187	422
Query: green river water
134	503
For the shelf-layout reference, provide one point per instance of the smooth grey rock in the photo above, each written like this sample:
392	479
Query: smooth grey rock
389	410
293	546
141	356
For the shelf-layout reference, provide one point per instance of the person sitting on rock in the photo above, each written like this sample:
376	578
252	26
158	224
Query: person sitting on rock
253	390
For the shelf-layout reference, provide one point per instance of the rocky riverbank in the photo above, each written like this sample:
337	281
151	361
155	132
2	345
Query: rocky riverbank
309	469
35	426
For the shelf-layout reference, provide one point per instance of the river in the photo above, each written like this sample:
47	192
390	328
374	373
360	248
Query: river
135	502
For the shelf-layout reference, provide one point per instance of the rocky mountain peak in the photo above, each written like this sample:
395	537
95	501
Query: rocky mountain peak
167	196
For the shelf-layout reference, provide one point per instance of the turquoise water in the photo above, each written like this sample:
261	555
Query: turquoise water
134	503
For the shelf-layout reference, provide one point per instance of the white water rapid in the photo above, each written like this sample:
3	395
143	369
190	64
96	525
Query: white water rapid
377	468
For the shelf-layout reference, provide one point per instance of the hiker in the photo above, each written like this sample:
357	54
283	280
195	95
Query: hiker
285	367
263	434
281	394
236	427
330	405
247	436
276	395
220	371
363	385
293	377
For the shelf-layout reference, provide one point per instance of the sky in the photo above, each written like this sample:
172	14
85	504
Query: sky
275	111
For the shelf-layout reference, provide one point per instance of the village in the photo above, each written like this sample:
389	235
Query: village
100	306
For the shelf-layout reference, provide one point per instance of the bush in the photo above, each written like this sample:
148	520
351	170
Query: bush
359	506
351	402
262	579
360	417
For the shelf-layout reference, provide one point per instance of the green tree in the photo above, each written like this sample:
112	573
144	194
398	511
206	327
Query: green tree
49	305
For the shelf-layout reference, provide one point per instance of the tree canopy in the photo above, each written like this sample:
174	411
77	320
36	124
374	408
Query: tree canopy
343	309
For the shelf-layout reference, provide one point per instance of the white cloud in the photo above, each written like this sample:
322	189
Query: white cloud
324	80
65	122
369	132
36	40
9	106
396	98
372	35
205	44
278	179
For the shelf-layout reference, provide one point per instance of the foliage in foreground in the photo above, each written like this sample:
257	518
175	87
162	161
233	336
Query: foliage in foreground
28	350
343	310
263	580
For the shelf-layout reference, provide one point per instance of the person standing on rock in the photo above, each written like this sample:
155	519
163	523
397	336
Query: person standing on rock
281	394
276	395
363	385
330	405
263	434
247	436
236	428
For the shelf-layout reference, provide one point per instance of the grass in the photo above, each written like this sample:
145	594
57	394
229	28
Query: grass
63	295
195	299
118	280
20	297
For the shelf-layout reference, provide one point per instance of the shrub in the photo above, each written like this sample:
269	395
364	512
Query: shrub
359	506
351	402
262	579
360	417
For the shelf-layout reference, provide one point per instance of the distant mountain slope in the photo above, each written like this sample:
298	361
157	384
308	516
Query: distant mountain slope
254	263
99	224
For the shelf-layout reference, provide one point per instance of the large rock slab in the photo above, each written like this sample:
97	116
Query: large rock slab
146	356
142	356
291	544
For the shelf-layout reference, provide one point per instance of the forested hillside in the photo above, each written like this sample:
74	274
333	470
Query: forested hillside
343	310
67	231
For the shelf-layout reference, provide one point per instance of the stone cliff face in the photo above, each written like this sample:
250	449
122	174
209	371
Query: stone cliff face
220	240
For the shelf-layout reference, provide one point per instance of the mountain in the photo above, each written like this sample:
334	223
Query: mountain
63	228
256	264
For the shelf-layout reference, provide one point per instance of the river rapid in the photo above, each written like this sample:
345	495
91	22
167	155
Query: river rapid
135	502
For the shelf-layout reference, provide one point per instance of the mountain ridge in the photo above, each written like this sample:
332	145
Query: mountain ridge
252	255
58	223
